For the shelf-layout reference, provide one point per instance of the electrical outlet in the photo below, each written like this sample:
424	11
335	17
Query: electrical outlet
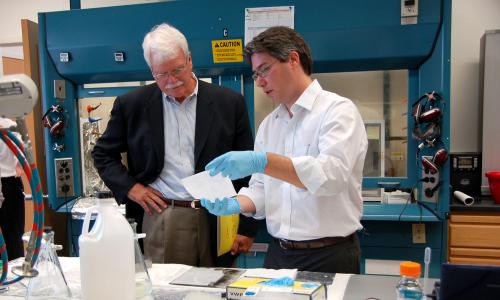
409	8
430	182
65	186
418	231
59	89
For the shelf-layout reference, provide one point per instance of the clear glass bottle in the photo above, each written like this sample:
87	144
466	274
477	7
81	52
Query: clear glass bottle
409	287
50	282
3	288
143	285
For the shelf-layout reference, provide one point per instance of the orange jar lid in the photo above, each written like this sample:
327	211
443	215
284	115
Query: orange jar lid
409	268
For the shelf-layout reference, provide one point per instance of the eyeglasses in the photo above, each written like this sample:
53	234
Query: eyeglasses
174	73
263	72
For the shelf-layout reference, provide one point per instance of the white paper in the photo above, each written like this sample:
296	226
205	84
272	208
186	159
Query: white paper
337	289
271	273
202	185
258	19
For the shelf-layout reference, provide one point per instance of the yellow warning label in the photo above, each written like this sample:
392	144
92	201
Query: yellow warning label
224	51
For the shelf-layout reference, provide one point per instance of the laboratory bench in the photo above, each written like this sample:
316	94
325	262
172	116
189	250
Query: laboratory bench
481	204
386	234
339	286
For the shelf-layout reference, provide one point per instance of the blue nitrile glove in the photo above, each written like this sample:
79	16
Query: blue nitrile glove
238	164
283	281
222	206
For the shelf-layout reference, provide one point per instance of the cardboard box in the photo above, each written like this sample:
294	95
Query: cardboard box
299	291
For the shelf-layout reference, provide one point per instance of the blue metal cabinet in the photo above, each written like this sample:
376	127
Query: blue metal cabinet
344	35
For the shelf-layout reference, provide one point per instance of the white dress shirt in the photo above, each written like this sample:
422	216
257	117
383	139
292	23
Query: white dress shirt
8	160
179	121
326	140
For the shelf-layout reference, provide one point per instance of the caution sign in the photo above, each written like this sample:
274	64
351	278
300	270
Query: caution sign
224	51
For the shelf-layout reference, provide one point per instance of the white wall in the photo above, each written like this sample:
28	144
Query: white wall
103	3
469	20
12	11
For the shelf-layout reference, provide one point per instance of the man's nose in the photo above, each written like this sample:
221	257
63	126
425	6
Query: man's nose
171	78
260	81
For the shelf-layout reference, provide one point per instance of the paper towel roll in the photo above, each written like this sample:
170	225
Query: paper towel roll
464	198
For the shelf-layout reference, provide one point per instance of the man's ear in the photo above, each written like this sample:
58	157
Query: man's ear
294	58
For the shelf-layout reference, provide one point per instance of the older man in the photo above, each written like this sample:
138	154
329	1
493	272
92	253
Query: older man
170	130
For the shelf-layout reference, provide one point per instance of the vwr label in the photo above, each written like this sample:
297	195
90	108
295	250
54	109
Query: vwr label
224	51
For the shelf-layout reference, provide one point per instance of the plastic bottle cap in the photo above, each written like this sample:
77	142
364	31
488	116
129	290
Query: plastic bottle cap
409	268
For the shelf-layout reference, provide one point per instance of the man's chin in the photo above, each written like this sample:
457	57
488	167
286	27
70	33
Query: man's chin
175	92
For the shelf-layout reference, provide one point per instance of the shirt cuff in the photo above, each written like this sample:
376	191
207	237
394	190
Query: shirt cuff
309	172
258	201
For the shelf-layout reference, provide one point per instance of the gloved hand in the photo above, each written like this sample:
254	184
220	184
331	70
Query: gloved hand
222	207
283	281
238	164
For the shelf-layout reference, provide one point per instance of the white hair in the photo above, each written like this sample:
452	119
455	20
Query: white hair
162	43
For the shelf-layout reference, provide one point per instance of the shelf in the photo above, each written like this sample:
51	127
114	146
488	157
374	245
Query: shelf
392	212
480	204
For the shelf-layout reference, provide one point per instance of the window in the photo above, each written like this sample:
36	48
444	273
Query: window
382	99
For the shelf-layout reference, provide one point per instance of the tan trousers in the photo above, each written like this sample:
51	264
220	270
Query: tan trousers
178	235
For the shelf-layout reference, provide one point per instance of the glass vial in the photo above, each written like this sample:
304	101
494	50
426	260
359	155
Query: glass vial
50	282
409	287
143	285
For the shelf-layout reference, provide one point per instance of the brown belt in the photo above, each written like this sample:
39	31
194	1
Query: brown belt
184	203
313	244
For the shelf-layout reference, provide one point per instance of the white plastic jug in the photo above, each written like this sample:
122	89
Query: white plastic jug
107	263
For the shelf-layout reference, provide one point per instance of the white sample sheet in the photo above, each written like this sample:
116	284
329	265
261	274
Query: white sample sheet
271	273
202	185
258	19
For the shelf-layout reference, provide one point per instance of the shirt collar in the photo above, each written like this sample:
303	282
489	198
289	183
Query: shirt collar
305	101
188	98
